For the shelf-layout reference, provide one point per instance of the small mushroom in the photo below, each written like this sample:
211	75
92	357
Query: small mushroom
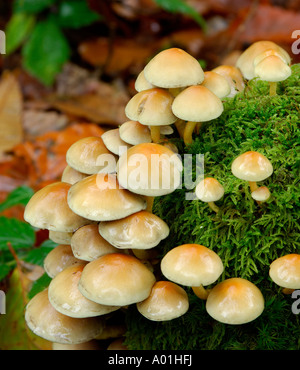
167	301
141	230
261	194
141	83
65	297
46	322
116	279
233	76
252	166
113	142
134	133
285	272
60	237
216	83
59	258
48	209
71	176
100	198
235	301
196	104
210	190
192	265
87	244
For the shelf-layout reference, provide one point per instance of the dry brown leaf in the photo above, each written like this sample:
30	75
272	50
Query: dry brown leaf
11	105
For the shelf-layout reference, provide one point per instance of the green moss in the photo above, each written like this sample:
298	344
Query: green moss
247	236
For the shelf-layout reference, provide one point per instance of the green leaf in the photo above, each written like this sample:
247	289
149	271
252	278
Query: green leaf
18	233
31	6
37	256
180	6
20	195
39	285
17	30
46	51
76	14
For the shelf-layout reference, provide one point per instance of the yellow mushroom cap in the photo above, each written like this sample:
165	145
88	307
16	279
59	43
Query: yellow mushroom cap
149	169
233	75
246	60
116	279
197	104
209	190
46	322
60	237
252	166
141	230
261	194
216	83
272	69
84	156
167	301
235	301
59	258
133	132
48	209
113	142
172	68
70	175
151	107
141	83
192	265
87	244
65	297
100	198
285	271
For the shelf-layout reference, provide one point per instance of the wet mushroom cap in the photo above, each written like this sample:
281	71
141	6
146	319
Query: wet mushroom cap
100	198
261	194
48	209
141	230
192	265
46	322
151	107
252	166
133	132
197	104
173	68
272	69
167	301
116	279
60	258
209	190
285	271
235	301
149	169
87	244
65	297
85	153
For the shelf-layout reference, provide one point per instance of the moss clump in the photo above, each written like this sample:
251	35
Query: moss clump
247	236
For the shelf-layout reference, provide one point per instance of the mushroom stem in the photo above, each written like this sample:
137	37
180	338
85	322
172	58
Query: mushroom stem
201	292
273	87
213	206
188	132
155	133
253	186
175	91
180	125
198	127
150	201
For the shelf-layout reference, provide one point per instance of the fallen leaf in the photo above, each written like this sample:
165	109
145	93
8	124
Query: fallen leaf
11	105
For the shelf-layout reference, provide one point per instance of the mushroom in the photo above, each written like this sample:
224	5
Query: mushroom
285	272
46	322
210	190
151	108
71	176
252	166
133	132
89	155
141	230
60	237
233	76
235	301
192	265
173	69
48	209
196	104
217	84
65	297
100	198
87	244
167	301
261	194
246	60
113	142
116	279
59	258
141	83
149	169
